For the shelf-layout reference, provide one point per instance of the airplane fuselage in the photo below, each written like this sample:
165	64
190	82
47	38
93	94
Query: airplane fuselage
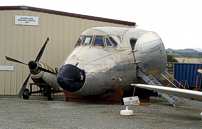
107	57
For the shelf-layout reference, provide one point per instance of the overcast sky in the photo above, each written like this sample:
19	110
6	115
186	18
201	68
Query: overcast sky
178	22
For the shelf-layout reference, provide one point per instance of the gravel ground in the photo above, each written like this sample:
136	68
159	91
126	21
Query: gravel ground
37	112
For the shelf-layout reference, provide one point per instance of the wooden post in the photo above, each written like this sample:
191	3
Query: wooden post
196	82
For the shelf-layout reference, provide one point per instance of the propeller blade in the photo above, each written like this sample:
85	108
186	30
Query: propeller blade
41	51
20	94
45	70
14	60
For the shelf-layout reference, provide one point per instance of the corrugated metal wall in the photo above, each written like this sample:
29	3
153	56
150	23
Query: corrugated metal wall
24	42
188	72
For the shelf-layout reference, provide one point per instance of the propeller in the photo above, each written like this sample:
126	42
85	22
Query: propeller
41	51
14	60
23	87
33	66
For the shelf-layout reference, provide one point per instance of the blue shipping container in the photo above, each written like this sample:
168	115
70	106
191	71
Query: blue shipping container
188	72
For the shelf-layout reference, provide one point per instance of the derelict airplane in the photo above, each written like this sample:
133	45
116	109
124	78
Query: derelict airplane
102	60
105	58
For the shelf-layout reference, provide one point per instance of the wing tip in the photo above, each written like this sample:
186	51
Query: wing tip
133	84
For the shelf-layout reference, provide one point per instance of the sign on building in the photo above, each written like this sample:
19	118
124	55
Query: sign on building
6	68
26	20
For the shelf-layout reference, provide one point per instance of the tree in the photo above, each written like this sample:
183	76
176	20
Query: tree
171	58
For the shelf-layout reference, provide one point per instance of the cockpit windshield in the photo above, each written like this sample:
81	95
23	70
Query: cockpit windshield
113	41
79	41
104	41
87	39
108	42
99	41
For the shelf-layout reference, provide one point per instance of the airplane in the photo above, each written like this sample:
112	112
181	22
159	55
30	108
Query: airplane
107	57
104	59
42	75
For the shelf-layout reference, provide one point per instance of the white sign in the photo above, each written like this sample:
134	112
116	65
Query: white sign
26	20
9	68
131	100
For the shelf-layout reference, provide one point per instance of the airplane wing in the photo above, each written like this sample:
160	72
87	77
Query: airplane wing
189	94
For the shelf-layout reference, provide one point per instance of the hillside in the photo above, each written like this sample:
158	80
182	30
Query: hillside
185	53
169	50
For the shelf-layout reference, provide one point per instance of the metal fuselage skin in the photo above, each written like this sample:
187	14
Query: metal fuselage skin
93	70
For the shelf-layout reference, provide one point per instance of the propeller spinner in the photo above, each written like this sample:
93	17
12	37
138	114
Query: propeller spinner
33	66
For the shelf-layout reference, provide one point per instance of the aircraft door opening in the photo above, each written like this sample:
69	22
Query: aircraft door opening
132	43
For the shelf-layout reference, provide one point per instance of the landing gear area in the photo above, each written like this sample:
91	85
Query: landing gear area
44	90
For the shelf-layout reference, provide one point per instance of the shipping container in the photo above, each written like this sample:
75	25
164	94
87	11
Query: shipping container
187	74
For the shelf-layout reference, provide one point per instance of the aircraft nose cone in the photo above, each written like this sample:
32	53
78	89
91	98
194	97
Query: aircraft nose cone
71	78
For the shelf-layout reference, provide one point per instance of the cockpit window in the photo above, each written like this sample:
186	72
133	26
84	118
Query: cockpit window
87	40
108	42
79	41
113	41
99	41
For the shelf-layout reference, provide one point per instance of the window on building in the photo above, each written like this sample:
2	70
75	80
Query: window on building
99	40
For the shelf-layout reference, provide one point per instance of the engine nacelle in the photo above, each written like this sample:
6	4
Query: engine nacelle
44	77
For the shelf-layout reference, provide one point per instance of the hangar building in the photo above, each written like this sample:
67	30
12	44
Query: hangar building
24	30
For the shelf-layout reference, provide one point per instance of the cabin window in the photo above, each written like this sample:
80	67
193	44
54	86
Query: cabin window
79	41
108	42
87	39
99	41
113	41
